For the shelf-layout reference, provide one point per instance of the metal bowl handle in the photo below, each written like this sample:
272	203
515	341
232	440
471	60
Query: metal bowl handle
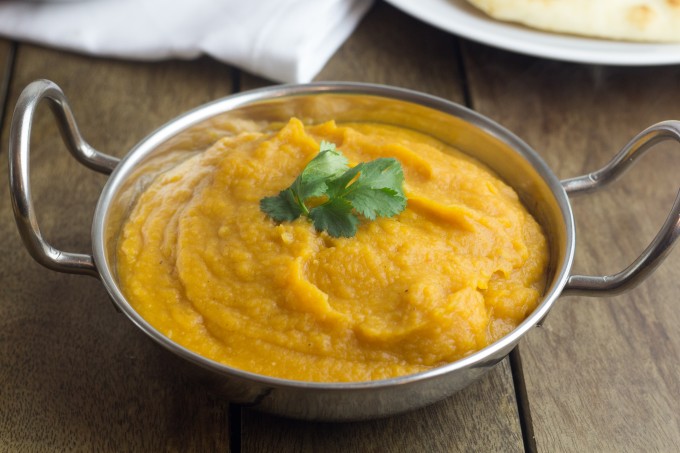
20	189
662	244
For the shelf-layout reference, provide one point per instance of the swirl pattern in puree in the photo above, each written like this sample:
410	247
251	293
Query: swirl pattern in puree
459	268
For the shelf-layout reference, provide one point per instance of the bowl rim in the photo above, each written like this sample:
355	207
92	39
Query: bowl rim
206	111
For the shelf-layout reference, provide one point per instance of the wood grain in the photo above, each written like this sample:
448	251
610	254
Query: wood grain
481	417
602	374
392	48
6	48
76	375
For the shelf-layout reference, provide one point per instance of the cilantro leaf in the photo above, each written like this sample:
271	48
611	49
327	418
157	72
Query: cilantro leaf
328	164
282	207
369	189
378	191
336	218
372	203
385	172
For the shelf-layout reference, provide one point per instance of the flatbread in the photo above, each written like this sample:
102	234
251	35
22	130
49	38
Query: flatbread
627	20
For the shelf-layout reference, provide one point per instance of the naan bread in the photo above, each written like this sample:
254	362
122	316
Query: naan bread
629	20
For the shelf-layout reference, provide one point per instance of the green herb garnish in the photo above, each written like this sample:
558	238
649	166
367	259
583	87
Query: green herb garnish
370	189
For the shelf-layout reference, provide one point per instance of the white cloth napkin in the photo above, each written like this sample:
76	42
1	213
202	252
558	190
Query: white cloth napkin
283	40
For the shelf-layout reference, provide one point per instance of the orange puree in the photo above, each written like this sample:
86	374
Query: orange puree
458	269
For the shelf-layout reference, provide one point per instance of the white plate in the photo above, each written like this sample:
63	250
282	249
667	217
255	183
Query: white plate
460	18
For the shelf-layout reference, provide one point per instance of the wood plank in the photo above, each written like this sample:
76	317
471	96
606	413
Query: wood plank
75	374
5	74
601	375
481	417
390	47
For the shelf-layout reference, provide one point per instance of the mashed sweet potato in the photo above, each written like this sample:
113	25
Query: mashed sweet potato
459	268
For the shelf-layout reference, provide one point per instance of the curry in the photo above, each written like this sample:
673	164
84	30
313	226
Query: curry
459	268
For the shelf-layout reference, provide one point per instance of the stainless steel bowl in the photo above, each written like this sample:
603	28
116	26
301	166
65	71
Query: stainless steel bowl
514	161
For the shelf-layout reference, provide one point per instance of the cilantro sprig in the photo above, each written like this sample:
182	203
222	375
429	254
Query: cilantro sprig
369	189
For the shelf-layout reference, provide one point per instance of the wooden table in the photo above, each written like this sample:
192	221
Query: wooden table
600	375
